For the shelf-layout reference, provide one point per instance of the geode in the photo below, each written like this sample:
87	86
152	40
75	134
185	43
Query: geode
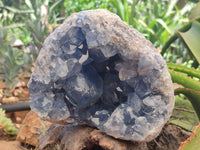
94	69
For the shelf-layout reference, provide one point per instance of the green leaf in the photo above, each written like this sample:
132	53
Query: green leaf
14	10
192	39
7	63
120	8
171	7
193	96
192	143
1	4
54	6
10	53
184	69
145	26
168	43
14	72
164	25
153	22
16	25
5	71
46	2
19	57
195	12
184	114
184	80
7	124
174	37
29	4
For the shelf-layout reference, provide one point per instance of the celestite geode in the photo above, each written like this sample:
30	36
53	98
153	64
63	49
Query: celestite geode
94	69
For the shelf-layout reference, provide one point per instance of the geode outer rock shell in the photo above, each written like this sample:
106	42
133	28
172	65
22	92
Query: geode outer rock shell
94	69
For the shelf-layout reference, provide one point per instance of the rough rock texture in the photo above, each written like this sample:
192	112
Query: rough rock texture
73	137
32	127
94	69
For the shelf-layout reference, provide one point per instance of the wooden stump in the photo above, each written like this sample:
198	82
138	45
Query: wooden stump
77	137
71	137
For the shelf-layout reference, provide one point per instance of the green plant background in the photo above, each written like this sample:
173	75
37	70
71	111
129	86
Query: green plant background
173	26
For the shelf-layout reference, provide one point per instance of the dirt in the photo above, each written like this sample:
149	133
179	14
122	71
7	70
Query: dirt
8	142
10	145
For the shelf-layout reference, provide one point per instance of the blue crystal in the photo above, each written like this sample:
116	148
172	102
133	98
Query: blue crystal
94	69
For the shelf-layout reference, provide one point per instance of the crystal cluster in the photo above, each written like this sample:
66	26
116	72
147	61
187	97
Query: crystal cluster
96	70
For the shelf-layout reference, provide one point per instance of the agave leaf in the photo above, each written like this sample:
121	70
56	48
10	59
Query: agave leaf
193	96
174	37
169	42
176	86
191	38
185	80
184	69
184	114
192	143
195	12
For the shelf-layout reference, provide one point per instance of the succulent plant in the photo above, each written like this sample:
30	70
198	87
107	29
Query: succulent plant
192	143
7	124
190	86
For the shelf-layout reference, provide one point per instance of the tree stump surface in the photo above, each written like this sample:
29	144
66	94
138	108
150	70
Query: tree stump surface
77	137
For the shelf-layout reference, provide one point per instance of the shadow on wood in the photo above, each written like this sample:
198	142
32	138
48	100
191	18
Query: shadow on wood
76	137
71	137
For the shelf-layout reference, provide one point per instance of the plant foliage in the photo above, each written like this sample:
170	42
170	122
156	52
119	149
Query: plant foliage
6	124
192	143
11	61
189	34
190	86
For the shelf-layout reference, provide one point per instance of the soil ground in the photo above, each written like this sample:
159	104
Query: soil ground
10	145
8	142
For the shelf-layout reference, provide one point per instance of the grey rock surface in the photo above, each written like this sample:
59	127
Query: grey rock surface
94	69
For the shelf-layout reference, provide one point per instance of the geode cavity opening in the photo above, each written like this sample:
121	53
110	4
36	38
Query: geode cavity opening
96	70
